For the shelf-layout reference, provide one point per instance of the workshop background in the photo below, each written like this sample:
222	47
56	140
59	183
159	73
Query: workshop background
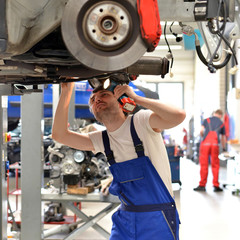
207	215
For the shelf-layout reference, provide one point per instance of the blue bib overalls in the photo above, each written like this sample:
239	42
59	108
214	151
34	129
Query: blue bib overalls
147	211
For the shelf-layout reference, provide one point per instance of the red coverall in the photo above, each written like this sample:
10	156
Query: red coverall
210	147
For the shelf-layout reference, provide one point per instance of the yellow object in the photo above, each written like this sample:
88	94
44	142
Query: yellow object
233	141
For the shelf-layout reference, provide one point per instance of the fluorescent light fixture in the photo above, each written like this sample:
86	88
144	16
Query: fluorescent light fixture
165	47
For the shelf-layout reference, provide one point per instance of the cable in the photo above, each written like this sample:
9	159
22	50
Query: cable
203	59
169	49
221	34
210	63
170	28
212	67
230	47
178	39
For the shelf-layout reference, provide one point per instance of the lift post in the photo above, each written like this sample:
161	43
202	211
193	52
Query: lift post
32	165
31	181
4	92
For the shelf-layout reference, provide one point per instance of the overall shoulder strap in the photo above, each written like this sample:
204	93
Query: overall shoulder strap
136	140
107	149
209	124
222	125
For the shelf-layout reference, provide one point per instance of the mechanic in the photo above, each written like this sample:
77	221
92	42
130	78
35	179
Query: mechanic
211	130
137	156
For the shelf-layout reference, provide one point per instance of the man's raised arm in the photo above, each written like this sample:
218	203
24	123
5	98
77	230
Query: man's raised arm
60	131
164	116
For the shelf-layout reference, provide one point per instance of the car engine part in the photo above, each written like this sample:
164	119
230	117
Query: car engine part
77	166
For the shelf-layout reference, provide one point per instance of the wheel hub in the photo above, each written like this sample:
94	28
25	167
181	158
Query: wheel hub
107	25
103	35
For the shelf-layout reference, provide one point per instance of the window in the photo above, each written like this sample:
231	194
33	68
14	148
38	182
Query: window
172	92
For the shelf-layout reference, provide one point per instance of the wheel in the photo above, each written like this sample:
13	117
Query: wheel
103	35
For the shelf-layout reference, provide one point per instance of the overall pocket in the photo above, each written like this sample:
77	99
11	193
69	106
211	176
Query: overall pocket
132	183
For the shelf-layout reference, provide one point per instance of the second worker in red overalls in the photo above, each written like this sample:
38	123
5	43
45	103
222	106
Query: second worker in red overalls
212	132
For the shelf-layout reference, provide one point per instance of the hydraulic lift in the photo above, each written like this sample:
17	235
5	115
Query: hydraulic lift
88	221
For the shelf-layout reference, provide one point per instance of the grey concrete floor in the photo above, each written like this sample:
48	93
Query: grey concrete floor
204	215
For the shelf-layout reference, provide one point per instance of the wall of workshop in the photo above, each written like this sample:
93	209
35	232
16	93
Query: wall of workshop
211	92
206	93
183	71
233	103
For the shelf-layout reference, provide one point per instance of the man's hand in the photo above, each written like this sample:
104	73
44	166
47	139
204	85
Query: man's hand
105	186
124	89
163	117
67	87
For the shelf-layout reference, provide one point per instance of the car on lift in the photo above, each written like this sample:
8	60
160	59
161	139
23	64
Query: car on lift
50	41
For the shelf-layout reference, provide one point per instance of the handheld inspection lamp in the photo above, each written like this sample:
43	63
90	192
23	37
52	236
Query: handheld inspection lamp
127	104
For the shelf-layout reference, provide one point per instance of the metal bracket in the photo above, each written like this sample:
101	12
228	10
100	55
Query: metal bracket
19	89
211	41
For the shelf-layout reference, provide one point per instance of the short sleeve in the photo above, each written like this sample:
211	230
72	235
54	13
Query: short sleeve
142	120
96	138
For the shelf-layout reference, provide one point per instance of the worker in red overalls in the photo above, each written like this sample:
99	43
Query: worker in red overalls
212	130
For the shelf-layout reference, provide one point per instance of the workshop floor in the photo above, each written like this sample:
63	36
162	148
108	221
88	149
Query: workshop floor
204	215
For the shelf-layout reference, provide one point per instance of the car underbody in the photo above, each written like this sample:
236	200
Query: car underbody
58	40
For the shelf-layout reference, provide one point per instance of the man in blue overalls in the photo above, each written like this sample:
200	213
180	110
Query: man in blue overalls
137	156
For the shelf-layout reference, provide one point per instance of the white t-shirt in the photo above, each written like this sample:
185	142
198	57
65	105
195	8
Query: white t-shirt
123	149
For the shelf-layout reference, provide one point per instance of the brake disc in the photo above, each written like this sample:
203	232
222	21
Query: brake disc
103	35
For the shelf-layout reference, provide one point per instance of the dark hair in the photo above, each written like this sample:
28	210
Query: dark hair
219	112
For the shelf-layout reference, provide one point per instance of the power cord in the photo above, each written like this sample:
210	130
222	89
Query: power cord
178	39
170	54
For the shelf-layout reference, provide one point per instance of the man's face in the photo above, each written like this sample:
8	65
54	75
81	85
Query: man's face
103	103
